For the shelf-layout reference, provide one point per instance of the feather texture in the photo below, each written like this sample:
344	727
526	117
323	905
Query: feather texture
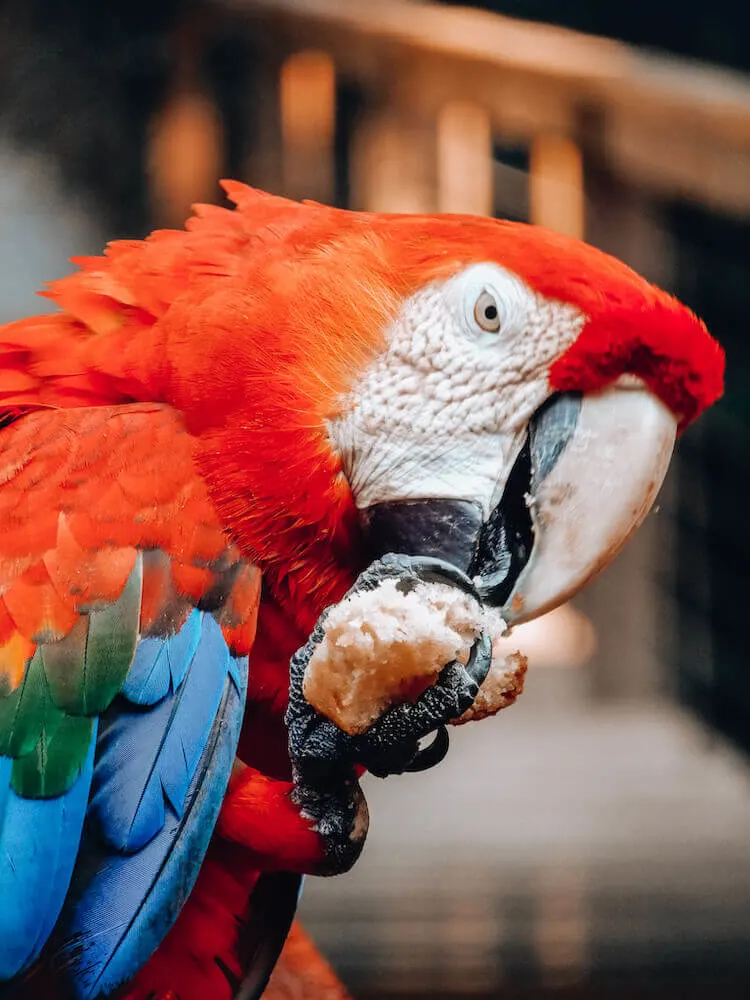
39	840
55	763
46	722
27	712
236	457
160	777
161	662
86	669
147	760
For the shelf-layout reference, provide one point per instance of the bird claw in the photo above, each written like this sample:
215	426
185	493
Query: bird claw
391	744
324	757
432	754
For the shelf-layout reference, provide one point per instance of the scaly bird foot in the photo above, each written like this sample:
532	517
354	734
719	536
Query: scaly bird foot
325	758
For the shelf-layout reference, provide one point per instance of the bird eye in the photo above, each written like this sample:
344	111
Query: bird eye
486	312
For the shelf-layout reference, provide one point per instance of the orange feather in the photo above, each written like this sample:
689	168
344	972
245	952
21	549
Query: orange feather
302	973
15	653
70	526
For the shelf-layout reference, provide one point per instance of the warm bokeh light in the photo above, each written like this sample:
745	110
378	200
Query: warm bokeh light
184	155
307	99
562	638
393	166
464	159
556	184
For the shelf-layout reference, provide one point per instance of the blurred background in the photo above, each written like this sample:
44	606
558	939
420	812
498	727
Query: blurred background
594	840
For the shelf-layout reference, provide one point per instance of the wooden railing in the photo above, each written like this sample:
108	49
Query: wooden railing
442	82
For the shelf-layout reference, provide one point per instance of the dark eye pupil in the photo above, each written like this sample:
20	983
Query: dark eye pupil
490	312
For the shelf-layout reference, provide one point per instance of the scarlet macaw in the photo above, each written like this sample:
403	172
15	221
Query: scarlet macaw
218	431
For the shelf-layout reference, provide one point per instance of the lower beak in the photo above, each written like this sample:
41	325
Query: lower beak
585	479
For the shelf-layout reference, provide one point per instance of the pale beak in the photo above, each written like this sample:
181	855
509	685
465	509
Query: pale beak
586	477
596	465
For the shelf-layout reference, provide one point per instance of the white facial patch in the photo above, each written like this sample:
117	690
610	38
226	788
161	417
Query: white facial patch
443	412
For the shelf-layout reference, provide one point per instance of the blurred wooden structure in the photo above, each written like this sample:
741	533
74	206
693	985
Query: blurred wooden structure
676	129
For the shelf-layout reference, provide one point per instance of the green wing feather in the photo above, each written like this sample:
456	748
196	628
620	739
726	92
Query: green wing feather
87	668
46	724
56	760
28	712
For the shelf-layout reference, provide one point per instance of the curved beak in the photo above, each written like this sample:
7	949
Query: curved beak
594	476
583	482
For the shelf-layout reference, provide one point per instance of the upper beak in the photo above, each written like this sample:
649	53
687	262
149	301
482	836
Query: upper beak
584	480
594	477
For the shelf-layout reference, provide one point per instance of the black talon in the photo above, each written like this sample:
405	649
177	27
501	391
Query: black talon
480	659
431	755
324	757
432	570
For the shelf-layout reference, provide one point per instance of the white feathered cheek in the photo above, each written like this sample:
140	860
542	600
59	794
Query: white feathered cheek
443	412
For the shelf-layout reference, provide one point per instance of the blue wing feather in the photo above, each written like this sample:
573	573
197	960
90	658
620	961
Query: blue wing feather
159	662
39	841
148	758
159	789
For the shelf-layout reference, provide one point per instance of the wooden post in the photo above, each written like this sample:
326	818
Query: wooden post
307	98
556	184
464	159
393	164
184	154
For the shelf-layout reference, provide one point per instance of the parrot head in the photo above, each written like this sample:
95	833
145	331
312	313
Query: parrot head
493	394
521	419
496	395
